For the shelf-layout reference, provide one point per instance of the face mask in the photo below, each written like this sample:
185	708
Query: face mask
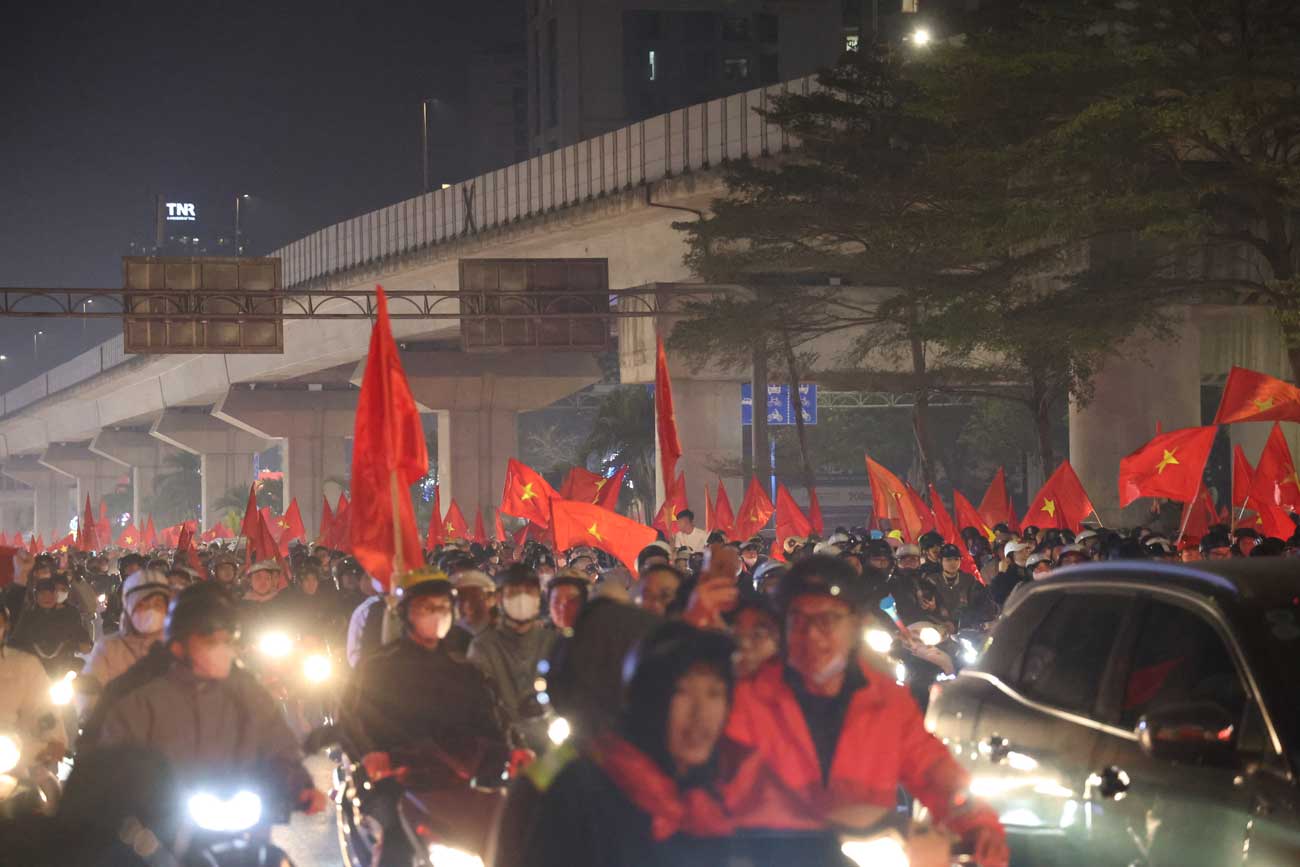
213	663
61	596
433	624
522	608
148	621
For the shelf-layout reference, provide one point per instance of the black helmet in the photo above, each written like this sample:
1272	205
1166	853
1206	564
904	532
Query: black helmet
201	609
820	575
929	540
948	552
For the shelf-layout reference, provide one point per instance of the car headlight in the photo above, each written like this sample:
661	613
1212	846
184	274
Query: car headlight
241	812
559	730
449	856
929	636
879	640
11	751
275	645
884	850
317	668
61	691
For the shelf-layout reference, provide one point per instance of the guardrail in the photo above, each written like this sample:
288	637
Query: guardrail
88	364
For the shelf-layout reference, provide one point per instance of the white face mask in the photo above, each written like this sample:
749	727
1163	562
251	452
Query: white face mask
436	623
61	596
523	607
148	621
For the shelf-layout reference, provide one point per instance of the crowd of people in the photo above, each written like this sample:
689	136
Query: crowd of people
721	692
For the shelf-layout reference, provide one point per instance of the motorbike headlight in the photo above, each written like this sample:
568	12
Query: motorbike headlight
275	645
10	752
900	673
969	654
929	636
885	850
879	640
61	691
449	856
241	812
559	730
317	668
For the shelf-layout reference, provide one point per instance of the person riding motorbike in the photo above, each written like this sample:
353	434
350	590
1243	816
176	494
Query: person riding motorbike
25	707
413	702
842	737
188	700
961	592
263	605
52	629
475	599
144	600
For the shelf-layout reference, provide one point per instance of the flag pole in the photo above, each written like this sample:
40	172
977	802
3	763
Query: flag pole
1187	514
399	565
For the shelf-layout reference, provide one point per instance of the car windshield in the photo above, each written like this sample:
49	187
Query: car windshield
1276	638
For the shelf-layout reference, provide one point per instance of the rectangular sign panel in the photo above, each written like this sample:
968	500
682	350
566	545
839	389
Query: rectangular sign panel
780	408
199	287
534	303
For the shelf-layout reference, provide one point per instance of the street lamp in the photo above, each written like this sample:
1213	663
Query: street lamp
921	37
238	200
85	304
424	138
36	347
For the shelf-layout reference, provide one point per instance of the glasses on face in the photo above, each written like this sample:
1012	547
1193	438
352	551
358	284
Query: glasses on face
822	621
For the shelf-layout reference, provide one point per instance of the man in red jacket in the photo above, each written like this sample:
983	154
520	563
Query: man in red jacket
842	737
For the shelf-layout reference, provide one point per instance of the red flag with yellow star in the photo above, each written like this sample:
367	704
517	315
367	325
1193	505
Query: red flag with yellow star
1250	395
893	500
129	538
674	502
1243	478
790	519
454	525
723	516
996	506
582	485
1060	503
610	488
755	510
480	534
499	529
291	527
326	520
969	516
1170	466
587	524
1275	481
87	538
527	494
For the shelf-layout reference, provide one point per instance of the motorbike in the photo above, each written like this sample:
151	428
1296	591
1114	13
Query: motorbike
444	808
31	791
299	671
226	825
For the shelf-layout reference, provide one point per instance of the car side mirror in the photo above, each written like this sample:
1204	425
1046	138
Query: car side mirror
1194	733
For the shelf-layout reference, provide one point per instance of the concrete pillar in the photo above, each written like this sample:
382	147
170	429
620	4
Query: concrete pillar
1146	382
95	475
708	426
225	452
313	427
53	495
144	457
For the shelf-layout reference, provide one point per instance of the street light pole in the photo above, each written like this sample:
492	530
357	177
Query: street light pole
36	346
238	199
424	143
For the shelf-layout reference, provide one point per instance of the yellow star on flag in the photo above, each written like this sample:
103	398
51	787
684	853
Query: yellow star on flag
1167	460
528	493
1263	404
601	484
592	531
1049	506
672	513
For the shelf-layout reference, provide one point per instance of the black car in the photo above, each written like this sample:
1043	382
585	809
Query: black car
1139	713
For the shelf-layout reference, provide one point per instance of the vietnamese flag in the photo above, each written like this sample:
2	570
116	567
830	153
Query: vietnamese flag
895	501
527	494
790	519
1275	480
610	488
1198	515
1252	396
1170	466
435	535
388	456
670	447
129	538
248	526
103	528
522	536
815	513
326	520
454	525
996	506
499	531
149	536
291	527
723	516
1061	503
262	544
480	533
755	510
1243	478
64	544
581	485
951	533
577	524
87	538
969	516
674	503
709	522
339	526
35	544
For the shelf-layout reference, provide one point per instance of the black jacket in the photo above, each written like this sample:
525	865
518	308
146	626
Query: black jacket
53	634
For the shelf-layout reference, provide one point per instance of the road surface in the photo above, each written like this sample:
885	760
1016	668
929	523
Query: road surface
312	841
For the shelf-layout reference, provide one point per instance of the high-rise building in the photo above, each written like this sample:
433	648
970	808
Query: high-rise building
596	65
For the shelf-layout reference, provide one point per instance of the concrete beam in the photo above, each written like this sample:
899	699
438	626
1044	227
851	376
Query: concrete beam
143	455
96	476
225	452
53	495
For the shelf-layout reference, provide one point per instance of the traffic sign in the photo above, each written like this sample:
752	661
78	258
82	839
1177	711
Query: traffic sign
780	408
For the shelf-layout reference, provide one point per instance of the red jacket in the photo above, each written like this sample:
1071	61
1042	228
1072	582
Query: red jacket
883	745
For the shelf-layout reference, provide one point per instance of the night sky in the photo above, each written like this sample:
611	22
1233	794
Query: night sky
312	109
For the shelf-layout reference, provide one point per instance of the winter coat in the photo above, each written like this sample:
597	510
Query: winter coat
509	659
54	635
25	707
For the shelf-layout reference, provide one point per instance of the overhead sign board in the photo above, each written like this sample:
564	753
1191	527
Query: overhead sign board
555	304
780	408
181	212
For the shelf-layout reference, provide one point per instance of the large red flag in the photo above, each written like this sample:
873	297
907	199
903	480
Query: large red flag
674	503
1252	396
815	513
894	500
248	526
790	519
499	530
521	536
610	488
87	537
951	534
103	527
710	523
1276	482
149	535
480	533
969	516
1198	514
388	456
670	447
342	523
582	485
454	526
129	538
326	521
527	494
996	507
1061	503
435	535
1243	478
723	516
1170	466
262	544
587	524
755	510
291	527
